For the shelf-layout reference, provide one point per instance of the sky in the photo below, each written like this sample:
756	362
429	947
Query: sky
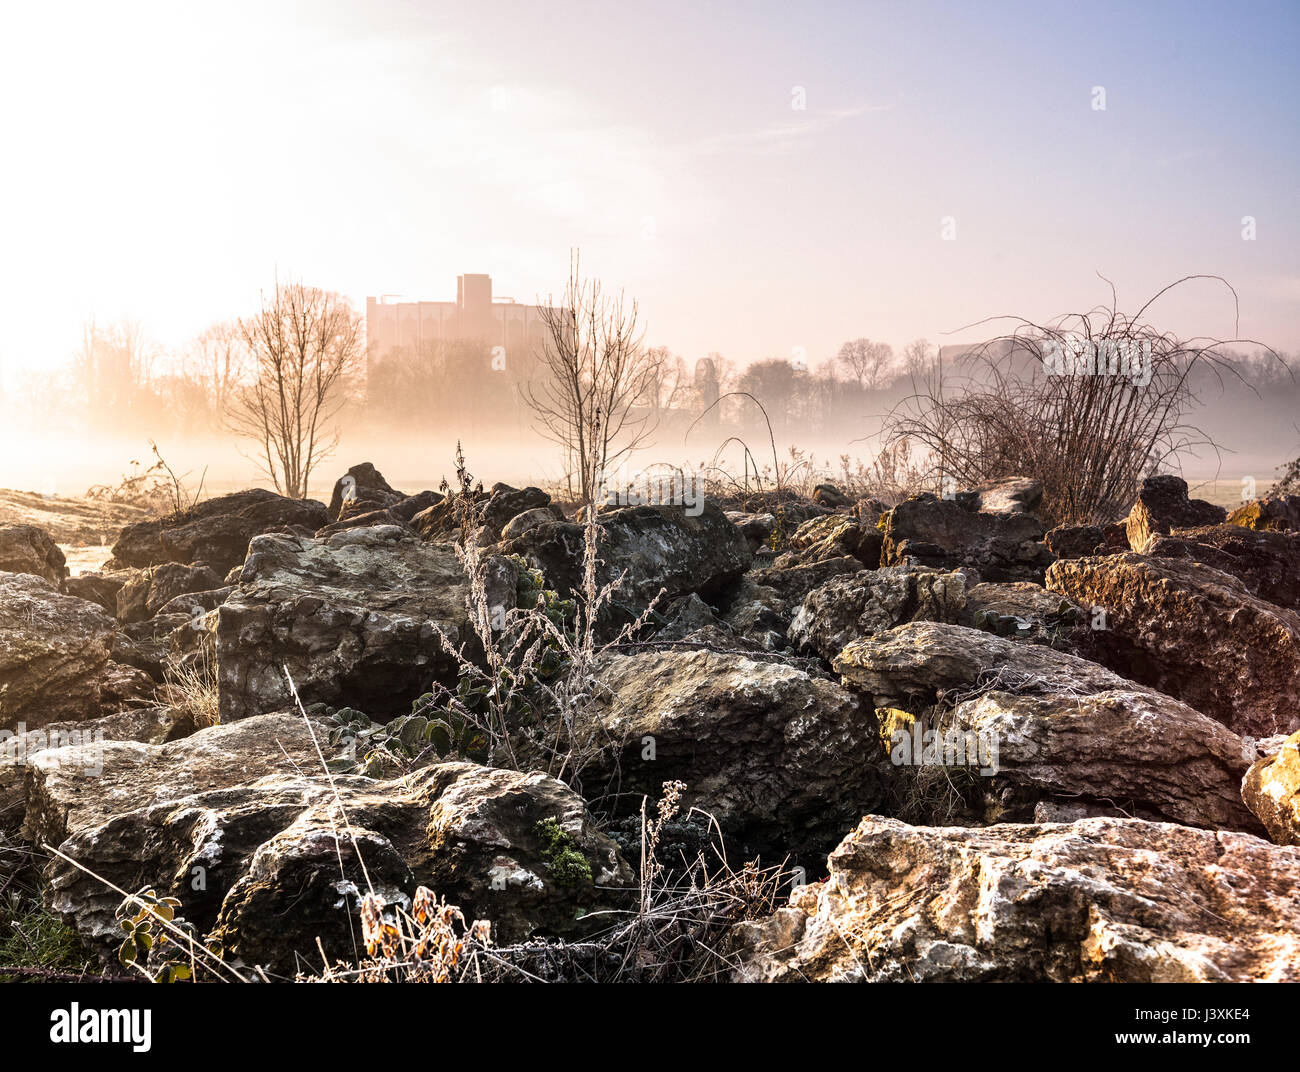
765	179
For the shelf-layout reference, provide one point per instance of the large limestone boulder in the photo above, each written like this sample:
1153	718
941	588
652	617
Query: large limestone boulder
1046	729
353	618
913	665
1195	633
216	532
1125	750
1162	504
1266	561
783	759
668	547
947	534
54	653
28	549
1271	789
151	725
80	787
271	866
1099	900
872	601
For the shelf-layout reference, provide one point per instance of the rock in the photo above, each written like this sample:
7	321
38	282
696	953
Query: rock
1194	633
1162	505
529	520
493	510
1271	789
54	652
684	615
756	528
872	601
1266	561
98	588
196	604
1104	900
909	667
126	775
1075	541
28	549
1012	495
1131	749
361	484
215	532
405	510
1269	515
145	645
668	547
831	496
349	519
784	760
832	536
1030	612
151	725
928	531
353	618
517	849
148	591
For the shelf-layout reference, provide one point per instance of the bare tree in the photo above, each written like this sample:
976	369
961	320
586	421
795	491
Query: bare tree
594	373
866	361
218	362
304	346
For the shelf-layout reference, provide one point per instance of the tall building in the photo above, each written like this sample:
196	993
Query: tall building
402	327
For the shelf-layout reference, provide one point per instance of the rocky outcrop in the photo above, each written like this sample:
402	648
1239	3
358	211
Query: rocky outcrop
1162	505
280	869
926	530
216	532
668	547
784	760
1266	561
1271	789
872	601
353	617
1194	633
28	549
54	653
1099	900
